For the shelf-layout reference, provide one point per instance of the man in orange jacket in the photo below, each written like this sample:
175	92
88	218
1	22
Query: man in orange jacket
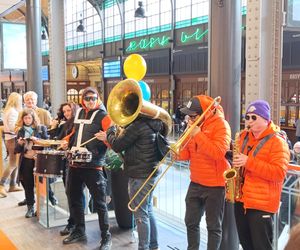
206	151
264	156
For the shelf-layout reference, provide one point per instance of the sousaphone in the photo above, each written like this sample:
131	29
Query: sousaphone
125	102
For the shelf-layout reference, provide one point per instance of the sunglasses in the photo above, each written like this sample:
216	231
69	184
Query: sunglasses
88	98
193	116
253	117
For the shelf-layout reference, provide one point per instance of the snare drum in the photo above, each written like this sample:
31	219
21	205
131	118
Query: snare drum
77	156
50	163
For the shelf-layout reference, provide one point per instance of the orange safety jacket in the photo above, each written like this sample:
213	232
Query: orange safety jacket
206	150
265	169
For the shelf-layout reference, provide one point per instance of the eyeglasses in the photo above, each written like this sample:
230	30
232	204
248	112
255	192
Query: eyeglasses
253	117
88	98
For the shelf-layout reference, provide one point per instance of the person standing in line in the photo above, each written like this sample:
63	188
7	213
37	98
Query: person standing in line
30	130
10	117
89	120
264	157
206	149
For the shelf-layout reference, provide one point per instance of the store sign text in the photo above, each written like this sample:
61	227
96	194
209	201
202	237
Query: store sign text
197	35
163	41
148	43
294	76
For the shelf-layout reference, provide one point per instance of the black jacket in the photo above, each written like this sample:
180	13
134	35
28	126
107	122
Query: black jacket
40	132
138	144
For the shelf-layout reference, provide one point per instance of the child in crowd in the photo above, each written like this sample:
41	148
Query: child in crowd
30	131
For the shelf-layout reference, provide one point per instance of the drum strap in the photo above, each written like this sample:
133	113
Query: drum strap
81	123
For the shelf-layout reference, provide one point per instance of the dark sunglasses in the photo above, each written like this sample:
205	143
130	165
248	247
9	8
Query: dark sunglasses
88	98
253	117
193	116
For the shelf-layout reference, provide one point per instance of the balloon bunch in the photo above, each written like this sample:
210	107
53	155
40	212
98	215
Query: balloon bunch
135	67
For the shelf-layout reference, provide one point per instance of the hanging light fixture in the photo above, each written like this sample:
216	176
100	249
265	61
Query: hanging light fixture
80	27
43	36
140	11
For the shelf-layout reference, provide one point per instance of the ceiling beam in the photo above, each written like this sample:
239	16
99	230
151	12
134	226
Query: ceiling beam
12	8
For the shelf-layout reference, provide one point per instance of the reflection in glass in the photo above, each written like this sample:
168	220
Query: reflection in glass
282	115
291	116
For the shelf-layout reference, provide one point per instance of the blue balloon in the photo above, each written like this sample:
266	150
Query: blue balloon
146	92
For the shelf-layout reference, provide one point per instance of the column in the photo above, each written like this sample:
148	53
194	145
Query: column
224	76
34	53
57	53
264	53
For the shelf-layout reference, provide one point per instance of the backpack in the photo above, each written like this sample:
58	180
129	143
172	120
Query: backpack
163	145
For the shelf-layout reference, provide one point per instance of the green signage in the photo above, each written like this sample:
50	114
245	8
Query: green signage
197	35
146	43
154	42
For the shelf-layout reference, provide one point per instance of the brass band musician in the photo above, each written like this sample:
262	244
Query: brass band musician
137	141
264	155
86	166
206	151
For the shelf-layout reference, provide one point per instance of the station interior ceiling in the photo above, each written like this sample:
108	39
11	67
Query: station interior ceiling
14	11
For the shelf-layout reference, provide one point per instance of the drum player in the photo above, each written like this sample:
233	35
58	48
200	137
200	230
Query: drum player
30	130
30	101
89	120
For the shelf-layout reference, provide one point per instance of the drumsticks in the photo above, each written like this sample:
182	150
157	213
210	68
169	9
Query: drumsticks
86	142
82	144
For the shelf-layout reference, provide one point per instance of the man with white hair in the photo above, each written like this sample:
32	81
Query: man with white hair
30	101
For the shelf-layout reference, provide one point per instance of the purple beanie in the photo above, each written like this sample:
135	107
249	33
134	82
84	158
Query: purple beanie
261	108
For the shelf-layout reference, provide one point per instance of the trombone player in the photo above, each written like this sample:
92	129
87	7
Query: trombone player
206	150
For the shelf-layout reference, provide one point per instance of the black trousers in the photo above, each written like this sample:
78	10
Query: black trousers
255	228
96	183
27	179
65	181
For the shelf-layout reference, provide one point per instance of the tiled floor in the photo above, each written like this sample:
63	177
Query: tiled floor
29	234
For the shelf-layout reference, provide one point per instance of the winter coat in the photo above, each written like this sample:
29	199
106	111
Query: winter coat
265	171
138	144
206	150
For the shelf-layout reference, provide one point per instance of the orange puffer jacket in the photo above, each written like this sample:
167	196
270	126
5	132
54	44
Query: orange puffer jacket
206	150
265	172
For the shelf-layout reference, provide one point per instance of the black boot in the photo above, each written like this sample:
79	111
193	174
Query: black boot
67	230
22	203
30	212
75	237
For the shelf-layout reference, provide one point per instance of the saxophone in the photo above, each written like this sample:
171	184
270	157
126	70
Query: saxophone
233	176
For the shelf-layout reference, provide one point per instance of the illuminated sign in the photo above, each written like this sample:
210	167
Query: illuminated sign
197	35
111	69
163	41
146	43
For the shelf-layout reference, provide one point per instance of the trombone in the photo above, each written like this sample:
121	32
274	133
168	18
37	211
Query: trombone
175	148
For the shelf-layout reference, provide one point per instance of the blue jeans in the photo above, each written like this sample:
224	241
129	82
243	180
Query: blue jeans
200	199
144	217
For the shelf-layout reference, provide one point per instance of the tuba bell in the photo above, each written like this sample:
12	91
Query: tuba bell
125	102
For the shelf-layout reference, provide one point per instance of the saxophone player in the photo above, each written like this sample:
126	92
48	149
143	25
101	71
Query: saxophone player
206	151
264	156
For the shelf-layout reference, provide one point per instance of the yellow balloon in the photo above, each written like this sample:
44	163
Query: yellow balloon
135	67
